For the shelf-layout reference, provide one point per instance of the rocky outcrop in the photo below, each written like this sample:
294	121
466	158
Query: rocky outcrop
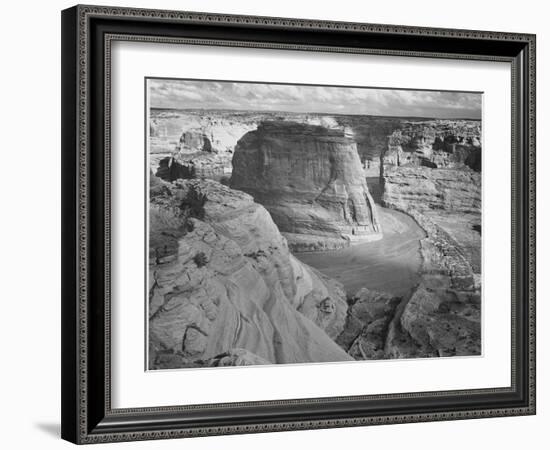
447	197
187	144
221	278
431	171
214	166
367	323
436	321
423	189
441	316
435	144
232	358
432	180
191	132
311	181
194	140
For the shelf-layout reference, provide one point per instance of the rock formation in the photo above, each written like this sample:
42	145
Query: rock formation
367	323
441	316
311	181
194	140
187	144
214	166
435	144
224	288
221	278
431	171
425	189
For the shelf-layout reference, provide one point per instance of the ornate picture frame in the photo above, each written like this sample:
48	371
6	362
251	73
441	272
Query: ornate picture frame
88	33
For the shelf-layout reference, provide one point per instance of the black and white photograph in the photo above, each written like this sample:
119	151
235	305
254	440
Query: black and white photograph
292	223
275	225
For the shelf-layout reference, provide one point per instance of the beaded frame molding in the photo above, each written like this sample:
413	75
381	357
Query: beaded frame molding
87	35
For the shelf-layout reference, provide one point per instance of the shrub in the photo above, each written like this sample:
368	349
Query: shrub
200	259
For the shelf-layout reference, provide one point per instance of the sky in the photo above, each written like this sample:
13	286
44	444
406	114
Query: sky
196	94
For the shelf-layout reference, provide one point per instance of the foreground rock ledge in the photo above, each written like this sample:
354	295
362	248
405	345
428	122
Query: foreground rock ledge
221	278
311	180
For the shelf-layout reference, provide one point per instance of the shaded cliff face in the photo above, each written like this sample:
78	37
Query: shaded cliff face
311	181
186	144
225	290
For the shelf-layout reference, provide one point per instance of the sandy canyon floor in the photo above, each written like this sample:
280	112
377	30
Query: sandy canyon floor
391	264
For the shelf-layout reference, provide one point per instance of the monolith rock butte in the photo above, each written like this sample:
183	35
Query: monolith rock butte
311	180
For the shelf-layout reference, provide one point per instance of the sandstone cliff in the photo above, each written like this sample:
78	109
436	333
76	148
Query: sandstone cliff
441	316
430	174
188	144
311	181
425	189
221	278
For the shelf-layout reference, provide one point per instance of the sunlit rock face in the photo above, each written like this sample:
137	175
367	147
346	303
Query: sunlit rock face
436	190
221	278
444	144
311	181
186	144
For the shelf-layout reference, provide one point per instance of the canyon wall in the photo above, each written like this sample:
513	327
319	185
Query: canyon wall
185	144
431	171
224	288
437	175
311	181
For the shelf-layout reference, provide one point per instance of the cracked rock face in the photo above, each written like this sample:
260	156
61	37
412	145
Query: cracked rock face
221	278
367	322
311	181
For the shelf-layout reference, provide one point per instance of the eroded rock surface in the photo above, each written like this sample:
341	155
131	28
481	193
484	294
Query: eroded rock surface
221	278
367	322
434	177
311	180
425	189
226	291
441	316
187	144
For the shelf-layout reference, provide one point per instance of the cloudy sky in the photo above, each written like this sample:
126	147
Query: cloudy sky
187	94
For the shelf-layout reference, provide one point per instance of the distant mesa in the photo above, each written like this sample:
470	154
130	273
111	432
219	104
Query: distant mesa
192	141
311	180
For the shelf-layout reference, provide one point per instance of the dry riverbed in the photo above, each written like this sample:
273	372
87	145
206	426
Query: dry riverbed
391	264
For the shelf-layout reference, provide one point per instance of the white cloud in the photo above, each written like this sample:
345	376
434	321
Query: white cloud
185	94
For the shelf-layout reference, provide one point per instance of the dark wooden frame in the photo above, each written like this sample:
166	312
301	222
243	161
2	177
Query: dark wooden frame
87	32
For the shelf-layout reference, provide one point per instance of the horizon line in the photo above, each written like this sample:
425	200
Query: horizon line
317	113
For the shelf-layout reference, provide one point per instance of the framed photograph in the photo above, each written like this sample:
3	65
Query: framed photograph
281	224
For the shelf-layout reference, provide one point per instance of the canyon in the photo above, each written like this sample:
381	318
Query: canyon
290	238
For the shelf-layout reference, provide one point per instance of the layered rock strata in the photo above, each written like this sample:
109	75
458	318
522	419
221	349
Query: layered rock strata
425	189
440	188
311	181
199	165
194	145
441	316
221	278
